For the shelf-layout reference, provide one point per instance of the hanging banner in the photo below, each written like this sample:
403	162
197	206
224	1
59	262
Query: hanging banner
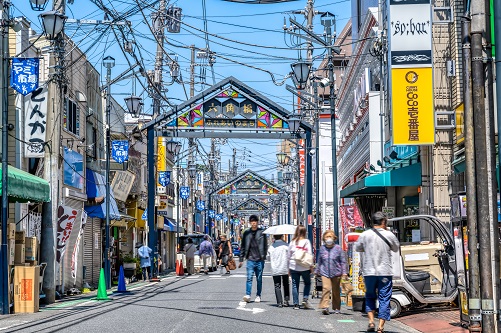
350	218
200	181
76	248
302	162
120	150
24	75
35	121
184	192
73	167
161	154
412	106
212	214
122	184
144	217
219	217
201	205
409	28
164	178
34	225
65	220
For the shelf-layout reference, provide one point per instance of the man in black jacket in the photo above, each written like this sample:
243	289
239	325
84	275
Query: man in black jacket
253	248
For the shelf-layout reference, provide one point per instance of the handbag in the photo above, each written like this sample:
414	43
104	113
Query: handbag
232	265
303	257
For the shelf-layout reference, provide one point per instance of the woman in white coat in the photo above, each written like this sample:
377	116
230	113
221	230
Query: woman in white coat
278	254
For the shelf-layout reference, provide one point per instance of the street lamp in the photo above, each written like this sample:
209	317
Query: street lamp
38	5
192	171
53	23
134	105
174	147
283	158
108	63
294	124
300	71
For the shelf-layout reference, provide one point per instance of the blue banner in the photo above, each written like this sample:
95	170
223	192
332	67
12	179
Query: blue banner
164	178
144	217
24	75
225	219
120	150
219	217
200	205
184	192
212	214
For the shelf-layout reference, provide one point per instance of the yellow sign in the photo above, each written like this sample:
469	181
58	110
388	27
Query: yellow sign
460	123
161	154
412	106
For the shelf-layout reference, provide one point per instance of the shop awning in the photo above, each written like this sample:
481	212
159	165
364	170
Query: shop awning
170	224
96	193
377	184
125	221
23	186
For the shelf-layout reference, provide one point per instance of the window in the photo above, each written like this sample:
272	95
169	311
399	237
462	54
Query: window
71	117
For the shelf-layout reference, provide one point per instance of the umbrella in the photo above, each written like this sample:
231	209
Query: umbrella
282	229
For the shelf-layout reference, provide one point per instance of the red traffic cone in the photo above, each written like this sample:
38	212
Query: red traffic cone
179	268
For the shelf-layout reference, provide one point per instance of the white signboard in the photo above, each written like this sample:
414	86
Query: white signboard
35	122
389	212
410	33
121	184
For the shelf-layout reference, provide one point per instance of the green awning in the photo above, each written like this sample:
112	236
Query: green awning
459	164
23	186
377	184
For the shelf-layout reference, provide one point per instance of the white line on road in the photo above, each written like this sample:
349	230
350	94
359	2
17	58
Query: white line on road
241	306
13	325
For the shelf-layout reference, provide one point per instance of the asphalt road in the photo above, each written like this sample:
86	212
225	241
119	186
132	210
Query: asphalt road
197	303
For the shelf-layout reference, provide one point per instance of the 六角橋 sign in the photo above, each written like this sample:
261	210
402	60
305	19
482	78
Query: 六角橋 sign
120	150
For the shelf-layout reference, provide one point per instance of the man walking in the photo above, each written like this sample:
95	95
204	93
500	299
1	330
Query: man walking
377	244
253	248
206	252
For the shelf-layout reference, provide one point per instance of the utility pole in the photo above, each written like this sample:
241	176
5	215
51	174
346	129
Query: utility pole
156	90
4	72
484	163
234	171
191	215
471	190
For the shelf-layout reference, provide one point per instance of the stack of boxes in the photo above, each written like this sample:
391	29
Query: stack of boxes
25	252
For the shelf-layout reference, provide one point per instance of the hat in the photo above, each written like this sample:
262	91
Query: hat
222	235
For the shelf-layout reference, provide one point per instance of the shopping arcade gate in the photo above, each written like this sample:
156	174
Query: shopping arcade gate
228	109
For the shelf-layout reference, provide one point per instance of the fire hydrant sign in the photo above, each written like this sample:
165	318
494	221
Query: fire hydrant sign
24	75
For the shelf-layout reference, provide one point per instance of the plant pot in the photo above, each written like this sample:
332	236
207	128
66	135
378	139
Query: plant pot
129	265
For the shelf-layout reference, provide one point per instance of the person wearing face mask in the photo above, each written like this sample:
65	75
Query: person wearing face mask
331	266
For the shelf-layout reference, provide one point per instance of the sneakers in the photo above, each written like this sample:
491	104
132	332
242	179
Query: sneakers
306	304
246	298
280	305
257	300
296	307
325	312
286	304
228	272
206	272
337	311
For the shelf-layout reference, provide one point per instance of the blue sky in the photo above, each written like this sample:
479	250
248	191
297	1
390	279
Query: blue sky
250	34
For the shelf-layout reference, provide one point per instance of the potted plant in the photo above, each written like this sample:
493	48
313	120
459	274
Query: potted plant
129	262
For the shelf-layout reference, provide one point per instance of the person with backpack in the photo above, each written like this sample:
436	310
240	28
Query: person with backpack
300	266
331	266
189	250
206	252
377	244
278	254
225	253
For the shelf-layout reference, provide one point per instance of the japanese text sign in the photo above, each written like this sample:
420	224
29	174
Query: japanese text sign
164	178
35	118
200	205
120	150
66	217
184	192
24	75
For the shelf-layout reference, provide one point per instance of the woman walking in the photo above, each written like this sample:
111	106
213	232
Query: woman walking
300	266
225	253
331	266
278	254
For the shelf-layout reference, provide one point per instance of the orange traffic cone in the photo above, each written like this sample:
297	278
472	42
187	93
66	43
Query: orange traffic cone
179	268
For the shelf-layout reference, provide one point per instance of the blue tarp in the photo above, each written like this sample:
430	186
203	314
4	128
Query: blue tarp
96	190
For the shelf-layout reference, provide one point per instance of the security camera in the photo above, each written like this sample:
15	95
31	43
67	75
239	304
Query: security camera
312	152
325	82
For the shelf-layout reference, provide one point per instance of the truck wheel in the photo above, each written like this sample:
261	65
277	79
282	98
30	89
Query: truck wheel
395	308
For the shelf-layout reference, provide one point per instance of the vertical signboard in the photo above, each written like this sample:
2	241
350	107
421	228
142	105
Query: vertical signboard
413	118
161	162
35	122
302	163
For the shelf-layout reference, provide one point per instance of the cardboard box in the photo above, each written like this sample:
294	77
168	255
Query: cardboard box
30	245
11	250
11	231
26	289
20	235
31	263
20	254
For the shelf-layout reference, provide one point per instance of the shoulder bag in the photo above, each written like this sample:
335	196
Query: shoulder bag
382	237
303	257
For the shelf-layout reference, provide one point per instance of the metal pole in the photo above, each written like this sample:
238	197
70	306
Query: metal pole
332	105
324	206
309	188
107	264
471	190
483	176
4	261
152	239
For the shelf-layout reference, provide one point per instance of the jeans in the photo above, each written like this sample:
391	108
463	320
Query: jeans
254	267
278	280
296	275
146	269
331	285
383	285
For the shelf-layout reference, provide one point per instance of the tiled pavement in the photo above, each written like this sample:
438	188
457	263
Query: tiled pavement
433	320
